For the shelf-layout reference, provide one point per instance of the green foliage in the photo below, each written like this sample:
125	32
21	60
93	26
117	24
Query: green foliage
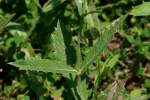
79	4
141	10
59	44
44	65
138	94
51	4
103	40
4	21
74	50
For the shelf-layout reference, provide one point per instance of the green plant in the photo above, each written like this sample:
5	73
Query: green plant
61	55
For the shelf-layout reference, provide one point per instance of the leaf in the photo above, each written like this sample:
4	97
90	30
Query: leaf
4	21
102	42
44	65
59	43
51	4
112	61
130	38
79	4
83	90
32	8
141	10
138	94
37	3
91	20
69	48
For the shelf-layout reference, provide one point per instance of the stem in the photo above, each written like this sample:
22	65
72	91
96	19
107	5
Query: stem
78	60
78	54
79	87
91	12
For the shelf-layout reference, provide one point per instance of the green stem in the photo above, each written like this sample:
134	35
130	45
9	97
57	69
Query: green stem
79	87
78	53
78	60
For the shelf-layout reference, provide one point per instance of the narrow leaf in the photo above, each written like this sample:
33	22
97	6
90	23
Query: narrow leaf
59	44
141	10
113	61
44	65
102	42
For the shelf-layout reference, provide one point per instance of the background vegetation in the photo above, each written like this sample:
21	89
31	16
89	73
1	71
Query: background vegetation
74	50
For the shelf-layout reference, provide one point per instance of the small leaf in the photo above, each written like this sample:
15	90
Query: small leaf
112	62
130	38
44	65
4	21
141	10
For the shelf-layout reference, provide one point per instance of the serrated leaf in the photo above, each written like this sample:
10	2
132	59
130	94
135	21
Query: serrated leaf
141	10
44	65
69	49
4	21
59	44
51	4
103	40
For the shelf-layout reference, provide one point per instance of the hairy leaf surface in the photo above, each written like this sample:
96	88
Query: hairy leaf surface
44	65
59	44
